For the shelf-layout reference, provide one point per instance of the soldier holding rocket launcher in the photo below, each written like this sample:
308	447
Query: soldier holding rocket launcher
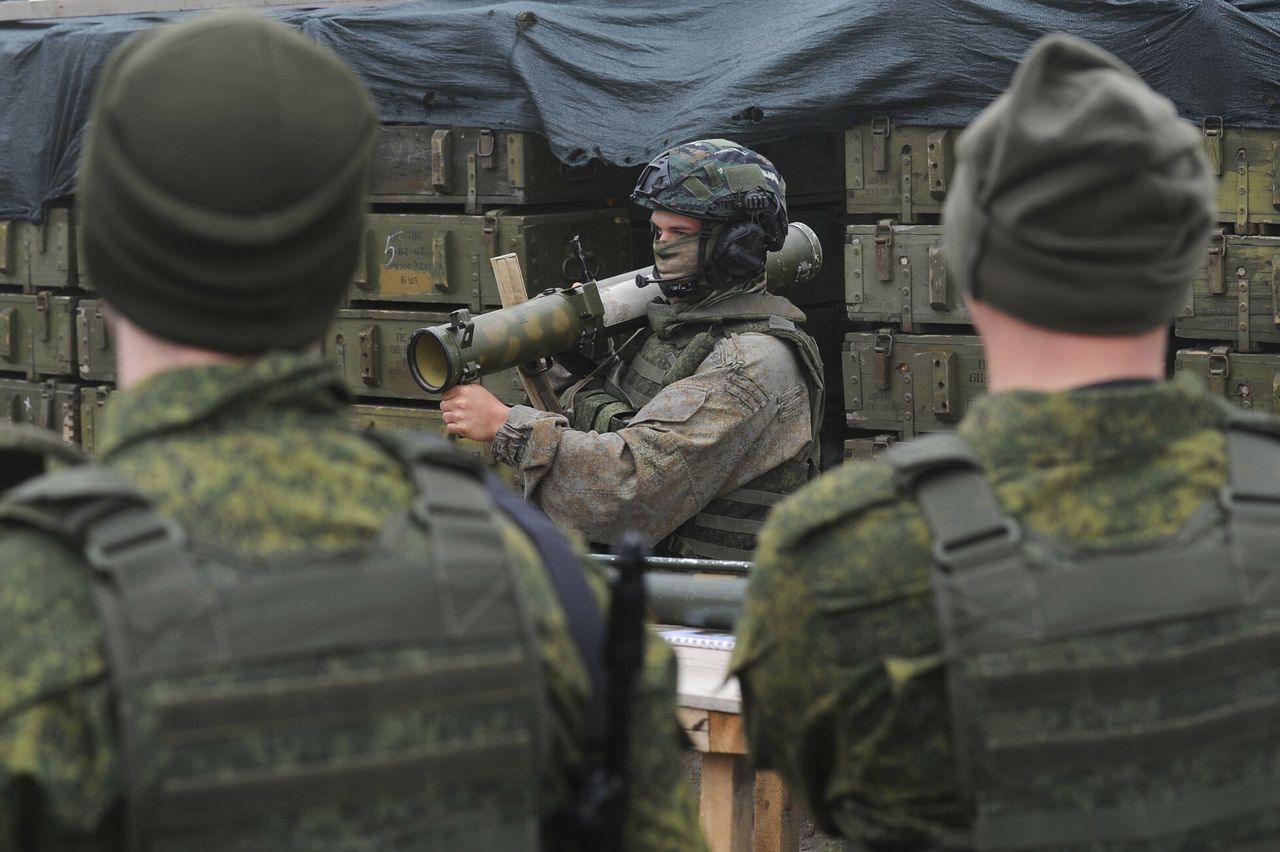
710	415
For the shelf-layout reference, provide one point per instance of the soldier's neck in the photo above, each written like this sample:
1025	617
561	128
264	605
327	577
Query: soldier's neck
140	355
1021	356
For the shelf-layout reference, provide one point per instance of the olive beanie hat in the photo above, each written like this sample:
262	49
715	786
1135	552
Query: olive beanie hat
223	182
1081	202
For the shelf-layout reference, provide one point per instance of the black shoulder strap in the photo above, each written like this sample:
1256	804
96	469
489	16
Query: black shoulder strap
586	625
945	478
593	820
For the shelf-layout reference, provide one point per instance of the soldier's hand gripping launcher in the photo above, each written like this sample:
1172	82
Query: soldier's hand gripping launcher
468	347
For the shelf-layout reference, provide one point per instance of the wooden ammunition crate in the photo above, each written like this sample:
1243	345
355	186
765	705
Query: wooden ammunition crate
1244	162
93	398
910	383
1235	296
444	258
95	345
897	171
474	166
49	404
37	334
1250	381
895	273
40	257
371	349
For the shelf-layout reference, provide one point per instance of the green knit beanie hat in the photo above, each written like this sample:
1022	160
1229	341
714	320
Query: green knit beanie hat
1081	202
223	182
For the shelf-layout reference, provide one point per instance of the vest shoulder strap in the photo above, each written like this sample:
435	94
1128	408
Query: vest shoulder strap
944	476
1253	458
92	507
1252	495
432	456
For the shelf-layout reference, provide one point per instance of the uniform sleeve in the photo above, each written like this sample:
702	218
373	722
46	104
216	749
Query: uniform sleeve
839	662
663	811
58	759
696	439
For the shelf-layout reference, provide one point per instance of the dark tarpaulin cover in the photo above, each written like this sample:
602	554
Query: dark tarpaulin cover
622	81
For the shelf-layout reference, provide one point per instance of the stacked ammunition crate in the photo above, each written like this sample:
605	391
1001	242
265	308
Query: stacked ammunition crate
1229	329
812	167
445	200
911	361
52	338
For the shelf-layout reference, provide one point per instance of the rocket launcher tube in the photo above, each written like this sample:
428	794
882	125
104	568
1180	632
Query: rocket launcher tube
468	347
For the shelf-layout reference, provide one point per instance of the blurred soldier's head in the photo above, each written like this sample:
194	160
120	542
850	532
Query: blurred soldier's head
718	208
223	182
1081	204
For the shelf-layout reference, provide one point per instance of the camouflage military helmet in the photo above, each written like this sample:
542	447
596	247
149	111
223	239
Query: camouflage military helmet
719	180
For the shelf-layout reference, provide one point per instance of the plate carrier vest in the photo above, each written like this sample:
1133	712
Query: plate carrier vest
382	697
1110	698
728	526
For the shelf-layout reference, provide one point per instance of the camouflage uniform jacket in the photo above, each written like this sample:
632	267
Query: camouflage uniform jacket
261	456
838	651
742	413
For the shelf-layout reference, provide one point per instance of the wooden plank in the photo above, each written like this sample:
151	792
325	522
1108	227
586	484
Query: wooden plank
702	680
35	10
512	291
725	732
696	727
777	819
725	802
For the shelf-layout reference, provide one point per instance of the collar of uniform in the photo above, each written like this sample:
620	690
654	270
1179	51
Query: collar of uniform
1028	429
267	388
668	319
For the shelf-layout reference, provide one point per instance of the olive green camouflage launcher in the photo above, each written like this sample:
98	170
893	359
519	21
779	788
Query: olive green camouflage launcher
466	348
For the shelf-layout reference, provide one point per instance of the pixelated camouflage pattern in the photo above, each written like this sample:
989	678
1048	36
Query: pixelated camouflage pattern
705	176
838	651
259	455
